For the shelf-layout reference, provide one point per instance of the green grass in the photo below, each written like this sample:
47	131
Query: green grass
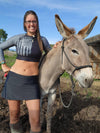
65	75
98	98
9	60
89	95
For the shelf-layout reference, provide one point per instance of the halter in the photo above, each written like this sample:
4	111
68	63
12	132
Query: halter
71	76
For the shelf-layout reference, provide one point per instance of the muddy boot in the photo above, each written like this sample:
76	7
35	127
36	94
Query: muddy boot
16	128
35	132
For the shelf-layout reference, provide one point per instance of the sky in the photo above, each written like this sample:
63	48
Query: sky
73	13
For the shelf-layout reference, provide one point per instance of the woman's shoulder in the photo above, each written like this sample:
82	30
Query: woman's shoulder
18	35
43	38
15	37
46	44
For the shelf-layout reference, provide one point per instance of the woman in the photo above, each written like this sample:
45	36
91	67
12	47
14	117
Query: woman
22	80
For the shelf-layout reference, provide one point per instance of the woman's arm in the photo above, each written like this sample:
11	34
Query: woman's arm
56	44
5	45
5	68
46	44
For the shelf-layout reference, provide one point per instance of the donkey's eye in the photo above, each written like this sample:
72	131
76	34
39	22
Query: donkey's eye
75	51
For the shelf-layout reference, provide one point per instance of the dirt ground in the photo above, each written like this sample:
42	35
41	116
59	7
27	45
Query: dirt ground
83	115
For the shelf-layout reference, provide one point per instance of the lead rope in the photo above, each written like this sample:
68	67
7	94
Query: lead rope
73	84
71	77
73	94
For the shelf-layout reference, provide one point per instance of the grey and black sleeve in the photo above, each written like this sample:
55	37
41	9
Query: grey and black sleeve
46	45
7	44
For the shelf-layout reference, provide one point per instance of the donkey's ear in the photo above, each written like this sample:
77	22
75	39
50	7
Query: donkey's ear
87	29
62	28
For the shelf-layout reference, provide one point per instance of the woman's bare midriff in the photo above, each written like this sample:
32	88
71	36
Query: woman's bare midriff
26	68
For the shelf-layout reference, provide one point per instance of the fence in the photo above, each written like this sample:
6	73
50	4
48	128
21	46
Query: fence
94	51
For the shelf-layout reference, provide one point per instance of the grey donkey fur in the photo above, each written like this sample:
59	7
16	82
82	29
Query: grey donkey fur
54	65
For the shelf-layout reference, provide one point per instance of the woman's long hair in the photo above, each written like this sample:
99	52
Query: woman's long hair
38	31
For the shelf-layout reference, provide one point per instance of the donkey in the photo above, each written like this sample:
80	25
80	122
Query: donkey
71	56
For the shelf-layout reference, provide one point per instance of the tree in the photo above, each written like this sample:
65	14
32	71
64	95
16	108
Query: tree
3	35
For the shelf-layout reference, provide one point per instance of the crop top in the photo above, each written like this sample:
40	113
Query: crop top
27	47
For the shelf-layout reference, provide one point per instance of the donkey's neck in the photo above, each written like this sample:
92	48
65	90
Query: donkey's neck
51	67
54	62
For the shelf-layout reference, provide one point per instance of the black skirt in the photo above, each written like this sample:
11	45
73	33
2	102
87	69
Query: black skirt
19	87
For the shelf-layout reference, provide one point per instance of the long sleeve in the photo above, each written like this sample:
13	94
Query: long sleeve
7	44
46	44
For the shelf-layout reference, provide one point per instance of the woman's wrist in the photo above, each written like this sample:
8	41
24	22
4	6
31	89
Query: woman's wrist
2	62
5	68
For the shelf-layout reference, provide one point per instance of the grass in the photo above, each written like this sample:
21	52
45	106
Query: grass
65	75
89	94
9	60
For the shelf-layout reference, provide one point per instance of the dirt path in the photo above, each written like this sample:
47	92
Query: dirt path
83	116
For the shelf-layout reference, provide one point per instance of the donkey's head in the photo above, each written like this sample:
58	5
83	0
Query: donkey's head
75	54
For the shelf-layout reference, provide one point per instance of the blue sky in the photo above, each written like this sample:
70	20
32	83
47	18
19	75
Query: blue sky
74	13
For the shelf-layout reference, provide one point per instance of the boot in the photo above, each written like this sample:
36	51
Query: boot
16	128
35	132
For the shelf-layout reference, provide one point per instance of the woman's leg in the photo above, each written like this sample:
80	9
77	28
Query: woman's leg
34	115
14	112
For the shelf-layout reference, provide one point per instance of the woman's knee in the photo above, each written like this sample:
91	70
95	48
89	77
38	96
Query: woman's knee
34	111
34	117
14	115
14	111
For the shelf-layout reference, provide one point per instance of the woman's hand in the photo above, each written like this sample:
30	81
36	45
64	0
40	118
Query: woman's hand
57	43
5	68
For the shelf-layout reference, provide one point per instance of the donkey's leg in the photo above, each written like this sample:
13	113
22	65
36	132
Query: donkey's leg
51	100
41	112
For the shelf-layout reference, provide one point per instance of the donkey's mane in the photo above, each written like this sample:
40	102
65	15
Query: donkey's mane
53	51
50	54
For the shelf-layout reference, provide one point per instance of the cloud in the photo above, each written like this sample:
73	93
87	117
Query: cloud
75	6
51	4
6	2
64	5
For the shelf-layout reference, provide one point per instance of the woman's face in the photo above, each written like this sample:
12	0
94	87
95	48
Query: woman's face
31	24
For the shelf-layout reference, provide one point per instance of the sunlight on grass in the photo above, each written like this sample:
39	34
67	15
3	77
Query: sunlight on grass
10	60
